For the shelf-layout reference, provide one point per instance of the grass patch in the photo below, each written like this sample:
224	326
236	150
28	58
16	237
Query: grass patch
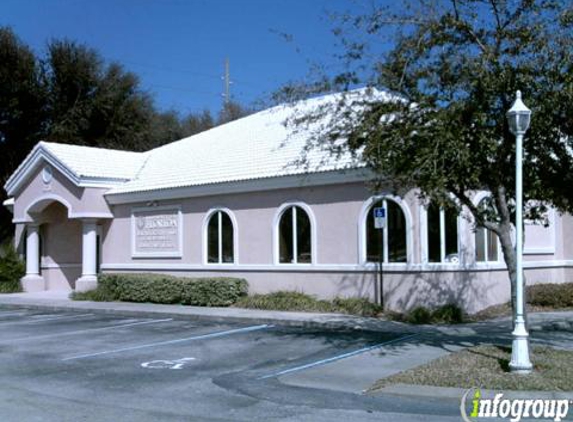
488	367
301	302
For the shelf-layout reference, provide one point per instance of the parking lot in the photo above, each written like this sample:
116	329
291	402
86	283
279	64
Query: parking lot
91	366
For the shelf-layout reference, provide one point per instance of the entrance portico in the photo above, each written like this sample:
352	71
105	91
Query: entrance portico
59	207
58	248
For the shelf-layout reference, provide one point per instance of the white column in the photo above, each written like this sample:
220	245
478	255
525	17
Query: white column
33	281
88	280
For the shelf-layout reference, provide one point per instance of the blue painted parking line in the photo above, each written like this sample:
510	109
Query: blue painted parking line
335	358
182	340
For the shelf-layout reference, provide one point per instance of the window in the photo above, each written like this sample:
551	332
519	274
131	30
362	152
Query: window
442	226
294	232
220	242
389	244
486	240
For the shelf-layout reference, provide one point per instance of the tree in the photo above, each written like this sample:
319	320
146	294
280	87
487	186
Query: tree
198	122
230	111
90	103
453	67
73	96
22	110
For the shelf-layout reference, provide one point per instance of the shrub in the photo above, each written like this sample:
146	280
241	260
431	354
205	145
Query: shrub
445	314
301	302
161	288
551	295
357	306
419	315
285	301
222	291
448	314
12	269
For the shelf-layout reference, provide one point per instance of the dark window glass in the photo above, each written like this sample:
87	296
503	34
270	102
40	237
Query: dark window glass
396	233
286	253
374	237
98	254
451	233
303	237
227	238
434	251
213	239
396	227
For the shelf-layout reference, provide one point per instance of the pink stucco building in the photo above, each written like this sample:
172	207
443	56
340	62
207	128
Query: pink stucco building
233	201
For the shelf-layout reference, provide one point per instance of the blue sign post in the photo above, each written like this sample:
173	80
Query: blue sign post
380	220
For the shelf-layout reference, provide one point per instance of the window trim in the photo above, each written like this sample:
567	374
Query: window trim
276	237
364	213
424	225
205	237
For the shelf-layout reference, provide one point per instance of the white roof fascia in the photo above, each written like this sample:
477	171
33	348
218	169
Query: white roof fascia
244	186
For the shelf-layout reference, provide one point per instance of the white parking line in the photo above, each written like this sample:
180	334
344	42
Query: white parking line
335	358
164	343
55	318
87	330
3	314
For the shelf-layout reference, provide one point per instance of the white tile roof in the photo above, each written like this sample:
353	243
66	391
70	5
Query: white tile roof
257	146
254	147
97	162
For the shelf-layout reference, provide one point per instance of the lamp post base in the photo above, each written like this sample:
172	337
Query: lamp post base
520	363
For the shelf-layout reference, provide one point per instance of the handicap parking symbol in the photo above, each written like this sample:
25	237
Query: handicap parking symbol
166	364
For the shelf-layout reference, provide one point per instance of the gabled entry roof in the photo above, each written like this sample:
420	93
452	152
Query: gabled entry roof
84	166
259	146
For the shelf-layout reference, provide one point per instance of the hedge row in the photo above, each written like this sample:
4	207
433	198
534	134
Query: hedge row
301	302
551	295
160	288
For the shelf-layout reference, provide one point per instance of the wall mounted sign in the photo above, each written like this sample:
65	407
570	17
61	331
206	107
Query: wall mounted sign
157	232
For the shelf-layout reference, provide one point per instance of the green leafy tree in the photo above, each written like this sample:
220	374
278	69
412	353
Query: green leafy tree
197	122
453	68
22	110
230	111
90	103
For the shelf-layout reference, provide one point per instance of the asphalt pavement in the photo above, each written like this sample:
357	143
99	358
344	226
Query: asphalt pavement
63	360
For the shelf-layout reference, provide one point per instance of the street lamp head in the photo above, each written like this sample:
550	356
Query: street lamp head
518	116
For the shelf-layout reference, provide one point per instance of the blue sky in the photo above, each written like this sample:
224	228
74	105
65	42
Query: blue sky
178	47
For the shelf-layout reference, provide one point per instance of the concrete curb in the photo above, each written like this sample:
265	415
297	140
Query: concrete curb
333	322
457	393
553	321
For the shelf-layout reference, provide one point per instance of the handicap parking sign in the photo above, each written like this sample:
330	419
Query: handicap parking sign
380	217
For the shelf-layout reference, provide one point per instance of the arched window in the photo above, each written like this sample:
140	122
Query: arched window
442	231
486	241
388	244
294	236
220	239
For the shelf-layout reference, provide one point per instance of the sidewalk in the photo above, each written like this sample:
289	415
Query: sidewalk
59	301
